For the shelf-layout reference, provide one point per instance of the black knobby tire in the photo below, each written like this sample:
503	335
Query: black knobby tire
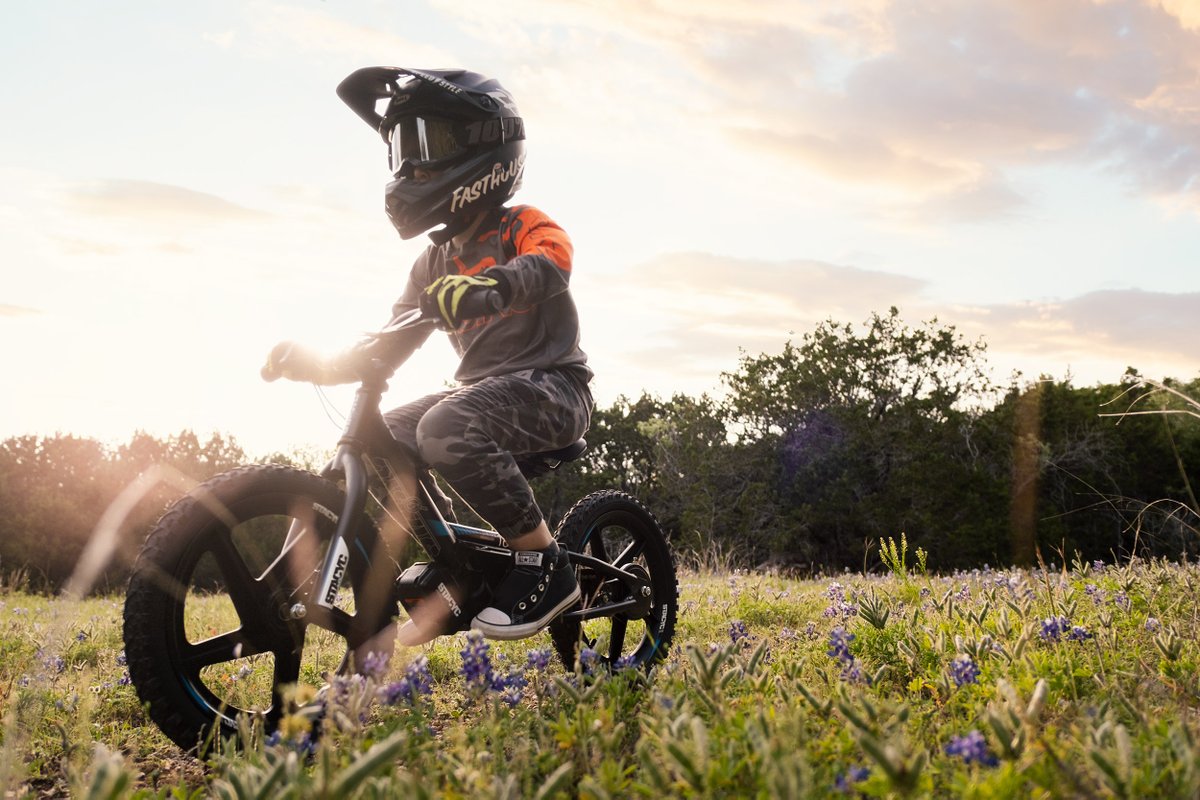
200	627
614	527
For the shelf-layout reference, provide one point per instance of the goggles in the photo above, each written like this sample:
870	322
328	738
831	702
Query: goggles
422	141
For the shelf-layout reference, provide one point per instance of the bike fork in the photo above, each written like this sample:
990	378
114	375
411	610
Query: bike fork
337	558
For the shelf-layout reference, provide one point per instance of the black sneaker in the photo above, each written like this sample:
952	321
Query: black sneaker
540	586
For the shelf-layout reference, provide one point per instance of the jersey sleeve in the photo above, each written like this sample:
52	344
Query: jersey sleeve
541	263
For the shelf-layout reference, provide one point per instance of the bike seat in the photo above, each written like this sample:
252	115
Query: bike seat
536	464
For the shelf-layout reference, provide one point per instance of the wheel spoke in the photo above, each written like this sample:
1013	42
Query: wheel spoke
616	639
287	673
223	647
334	620
632	551
250	596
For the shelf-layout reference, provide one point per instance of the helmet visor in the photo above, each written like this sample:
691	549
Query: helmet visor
422	141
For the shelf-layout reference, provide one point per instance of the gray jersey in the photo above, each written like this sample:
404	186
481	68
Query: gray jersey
540	328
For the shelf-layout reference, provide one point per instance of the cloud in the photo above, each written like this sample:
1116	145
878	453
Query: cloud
17	311
942	100
697	312
155	201
277	26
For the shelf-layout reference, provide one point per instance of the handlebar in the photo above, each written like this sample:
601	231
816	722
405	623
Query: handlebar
477	305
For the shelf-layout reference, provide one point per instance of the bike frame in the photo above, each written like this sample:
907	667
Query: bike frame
366	436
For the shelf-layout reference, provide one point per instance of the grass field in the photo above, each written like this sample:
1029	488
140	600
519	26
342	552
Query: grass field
1065	682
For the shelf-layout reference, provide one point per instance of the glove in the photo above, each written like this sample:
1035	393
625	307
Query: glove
454	299
298	363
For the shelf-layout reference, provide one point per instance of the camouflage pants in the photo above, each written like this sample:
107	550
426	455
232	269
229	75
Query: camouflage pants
469	435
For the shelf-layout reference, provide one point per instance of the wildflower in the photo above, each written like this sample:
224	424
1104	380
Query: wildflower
810	630
244	672
81	636
839	644
538	660
1053	628
964	594
964	670
852	672
511	695
121	660
1152	624
416	682
1121	601
845	780
1078	634
972	749
625	662
1098	565
588	659
476	663
375	665
302	744
124	680
738	632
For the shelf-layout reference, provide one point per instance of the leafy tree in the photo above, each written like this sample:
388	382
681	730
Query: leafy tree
874	434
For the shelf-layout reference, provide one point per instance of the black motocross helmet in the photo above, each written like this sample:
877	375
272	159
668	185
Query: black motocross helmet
461	126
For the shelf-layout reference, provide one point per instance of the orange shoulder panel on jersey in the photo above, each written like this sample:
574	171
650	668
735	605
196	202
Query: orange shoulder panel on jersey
530	231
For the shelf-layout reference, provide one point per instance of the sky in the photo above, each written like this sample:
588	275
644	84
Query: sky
180	188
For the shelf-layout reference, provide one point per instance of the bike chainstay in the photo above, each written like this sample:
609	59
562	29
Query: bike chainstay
634	583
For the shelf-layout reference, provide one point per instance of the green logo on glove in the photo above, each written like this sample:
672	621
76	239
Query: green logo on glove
449	291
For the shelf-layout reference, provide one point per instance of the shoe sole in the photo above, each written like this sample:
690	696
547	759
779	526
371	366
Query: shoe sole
526	629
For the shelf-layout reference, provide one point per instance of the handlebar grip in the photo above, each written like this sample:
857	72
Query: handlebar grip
480	304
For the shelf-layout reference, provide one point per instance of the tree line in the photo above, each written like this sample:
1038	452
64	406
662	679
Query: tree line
807	460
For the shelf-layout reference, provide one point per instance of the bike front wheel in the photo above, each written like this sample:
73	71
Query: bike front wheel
221	616
616	529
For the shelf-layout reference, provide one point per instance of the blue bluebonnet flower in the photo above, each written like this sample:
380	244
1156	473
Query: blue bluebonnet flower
476	661
375	665
839	648
839	606
121	661
738	631
1121	601
511	695
1152	624
1078	633
839	643
852	672
625	662
303	744
1098	565
845	780
538	660
81	636
973	749
588	659
1053	628
416	682
964	670
124	680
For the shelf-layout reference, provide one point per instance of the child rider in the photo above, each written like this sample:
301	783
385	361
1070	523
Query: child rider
496	278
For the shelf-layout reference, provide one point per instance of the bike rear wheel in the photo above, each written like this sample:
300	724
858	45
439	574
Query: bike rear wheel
221	613
615	528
